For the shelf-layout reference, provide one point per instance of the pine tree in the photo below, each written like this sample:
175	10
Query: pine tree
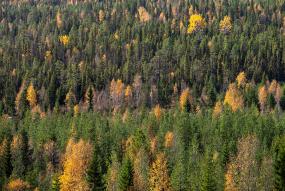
208	177
95	171
126	175
279	165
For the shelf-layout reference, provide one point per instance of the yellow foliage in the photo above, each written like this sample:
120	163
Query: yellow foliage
278	93
128	91
153	145
159	179
185	97
262	97
17	185
32	95
233	98
14	72
272	87
218	109
101	15
64	39
157	111
76	161
120	87
48	56
59	22
19	96
116	36
196	23
169	139
144	16
241	79
229	177
226	25
76	110
125	116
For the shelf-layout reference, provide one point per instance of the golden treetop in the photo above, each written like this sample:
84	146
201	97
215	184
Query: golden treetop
234	98
59	22
218	109
128	91
64	39
101	15
226	25
272	87
185	97
262	97
159	178
241	79
196	23
169	139
144	16
76	110
17	185
48	56
32	95
157	111
77	159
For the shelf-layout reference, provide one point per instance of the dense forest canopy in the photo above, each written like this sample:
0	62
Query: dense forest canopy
159	95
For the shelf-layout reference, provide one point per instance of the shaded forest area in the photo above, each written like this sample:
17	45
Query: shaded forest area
138	95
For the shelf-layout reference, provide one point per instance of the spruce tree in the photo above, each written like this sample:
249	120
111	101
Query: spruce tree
126	175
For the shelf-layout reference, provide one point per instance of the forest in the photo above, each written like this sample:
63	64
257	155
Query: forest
142	95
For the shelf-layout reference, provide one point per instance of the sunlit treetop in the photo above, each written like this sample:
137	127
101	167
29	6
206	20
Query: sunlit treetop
226	25
241	79
196	24
64	39
234	98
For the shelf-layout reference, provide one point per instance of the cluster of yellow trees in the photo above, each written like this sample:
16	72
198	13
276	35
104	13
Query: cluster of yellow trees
197	24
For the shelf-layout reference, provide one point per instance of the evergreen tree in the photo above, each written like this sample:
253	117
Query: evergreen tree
279	165
126	175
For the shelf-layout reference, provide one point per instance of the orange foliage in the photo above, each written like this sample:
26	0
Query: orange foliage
144	16
169	139
185	97
128	92
157	111
262	97
17	185
233	98
229	179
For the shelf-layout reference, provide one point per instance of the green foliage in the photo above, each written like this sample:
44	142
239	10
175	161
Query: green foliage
126	175
279	164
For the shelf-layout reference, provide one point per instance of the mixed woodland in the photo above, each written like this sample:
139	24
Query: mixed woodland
142	95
